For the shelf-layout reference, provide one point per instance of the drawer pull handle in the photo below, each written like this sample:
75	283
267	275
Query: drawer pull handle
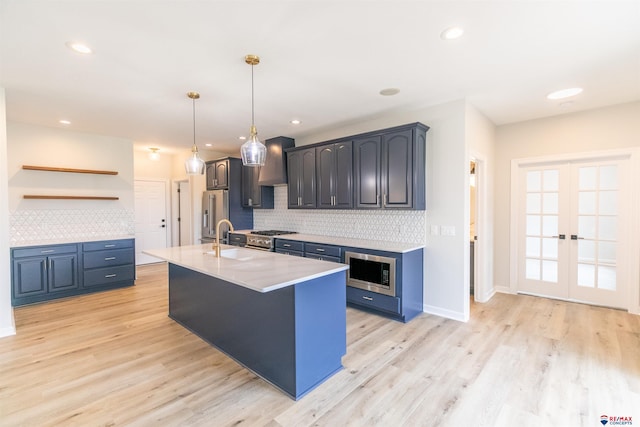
367	298
286	245
319	250
109	246
47	251
108	276
110	258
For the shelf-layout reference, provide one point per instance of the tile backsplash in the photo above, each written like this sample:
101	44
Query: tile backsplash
392	225
42	225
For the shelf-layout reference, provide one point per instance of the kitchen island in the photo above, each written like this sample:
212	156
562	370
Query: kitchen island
281	317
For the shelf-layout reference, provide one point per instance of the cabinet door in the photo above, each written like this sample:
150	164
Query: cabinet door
366	172
63	272
397	170
211	176
343	182
308	184
294	176
222	174
250	189
326	175
29	276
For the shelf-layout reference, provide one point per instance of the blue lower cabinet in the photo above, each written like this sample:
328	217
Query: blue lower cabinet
42	273
292	337
373	300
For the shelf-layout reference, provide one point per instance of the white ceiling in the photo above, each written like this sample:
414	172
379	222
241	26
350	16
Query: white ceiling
323	62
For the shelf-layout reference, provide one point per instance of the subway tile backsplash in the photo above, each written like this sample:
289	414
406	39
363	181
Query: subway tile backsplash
392	225
44	225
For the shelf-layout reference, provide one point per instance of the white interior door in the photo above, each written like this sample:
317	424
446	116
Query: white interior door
571	225
151	219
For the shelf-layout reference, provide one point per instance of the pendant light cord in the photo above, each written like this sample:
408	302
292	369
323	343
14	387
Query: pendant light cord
253	121
194	122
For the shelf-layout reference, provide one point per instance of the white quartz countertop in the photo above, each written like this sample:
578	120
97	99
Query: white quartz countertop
260	271
379	245
63	241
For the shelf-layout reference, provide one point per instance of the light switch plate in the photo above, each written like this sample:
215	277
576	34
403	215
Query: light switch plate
448	230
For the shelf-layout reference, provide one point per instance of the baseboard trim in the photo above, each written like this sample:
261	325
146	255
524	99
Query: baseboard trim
7	332
443	312
503	290
487	297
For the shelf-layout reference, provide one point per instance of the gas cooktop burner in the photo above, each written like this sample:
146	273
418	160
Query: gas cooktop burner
272	232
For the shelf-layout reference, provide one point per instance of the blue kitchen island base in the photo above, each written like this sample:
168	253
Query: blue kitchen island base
293	337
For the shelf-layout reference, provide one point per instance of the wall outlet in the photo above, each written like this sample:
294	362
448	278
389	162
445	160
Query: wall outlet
448	230
435	230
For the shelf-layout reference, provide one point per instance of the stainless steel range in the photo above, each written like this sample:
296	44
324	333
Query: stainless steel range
264	240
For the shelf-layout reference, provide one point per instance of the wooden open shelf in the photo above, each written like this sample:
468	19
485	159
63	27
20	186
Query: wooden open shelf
35	196
51	169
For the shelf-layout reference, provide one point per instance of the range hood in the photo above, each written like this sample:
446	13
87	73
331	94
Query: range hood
274	171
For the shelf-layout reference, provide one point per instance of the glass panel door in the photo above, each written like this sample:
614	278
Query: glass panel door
596	220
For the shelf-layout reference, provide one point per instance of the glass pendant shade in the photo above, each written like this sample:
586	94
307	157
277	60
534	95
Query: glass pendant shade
253	152
194	165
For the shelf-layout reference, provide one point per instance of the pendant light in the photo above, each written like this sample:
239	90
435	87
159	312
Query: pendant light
253	151
194	164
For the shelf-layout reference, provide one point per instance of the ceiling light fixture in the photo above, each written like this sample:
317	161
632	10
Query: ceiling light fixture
194	165
295	122
64	122
154	155
253	151
564	93
79	47
390	91
208	145
451	33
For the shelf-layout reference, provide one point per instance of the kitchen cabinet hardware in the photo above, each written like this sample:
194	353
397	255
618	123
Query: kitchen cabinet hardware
367	298
110	275
109	246
575	237
110	258
47	251
70	170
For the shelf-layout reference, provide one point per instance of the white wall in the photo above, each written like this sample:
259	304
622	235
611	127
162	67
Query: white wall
7	326
39	221
480	134
607	128
447	185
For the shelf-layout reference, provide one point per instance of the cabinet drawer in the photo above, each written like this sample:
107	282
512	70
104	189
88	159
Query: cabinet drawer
373	300
322	257
45	250
107	244
290	245
289	252
107	258
237	239
314	248
105	276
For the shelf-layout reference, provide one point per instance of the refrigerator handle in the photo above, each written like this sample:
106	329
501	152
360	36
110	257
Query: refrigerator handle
205	218
212	206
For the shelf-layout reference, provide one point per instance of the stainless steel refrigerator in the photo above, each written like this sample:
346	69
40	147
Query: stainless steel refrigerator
215	206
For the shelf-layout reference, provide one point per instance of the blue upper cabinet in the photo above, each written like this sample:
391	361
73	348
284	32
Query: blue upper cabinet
334	175
384	169
389	168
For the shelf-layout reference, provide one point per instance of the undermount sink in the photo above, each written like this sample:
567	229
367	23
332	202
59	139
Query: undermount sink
236	254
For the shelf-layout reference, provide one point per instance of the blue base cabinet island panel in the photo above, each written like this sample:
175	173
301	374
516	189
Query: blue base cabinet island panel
293	337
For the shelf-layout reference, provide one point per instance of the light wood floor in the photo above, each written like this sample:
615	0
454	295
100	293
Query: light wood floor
115	358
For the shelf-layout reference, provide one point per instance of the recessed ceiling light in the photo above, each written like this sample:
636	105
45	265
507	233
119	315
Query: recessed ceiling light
242	138
208	145
564	93
390	91
79	47
295	122
64	122
451	33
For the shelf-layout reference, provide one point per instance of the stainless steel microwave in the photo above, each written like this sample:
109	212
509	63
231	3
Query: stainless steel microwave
371	272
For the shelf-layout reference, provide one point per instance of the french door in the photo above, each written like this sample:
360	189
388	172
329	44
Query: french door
571	231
